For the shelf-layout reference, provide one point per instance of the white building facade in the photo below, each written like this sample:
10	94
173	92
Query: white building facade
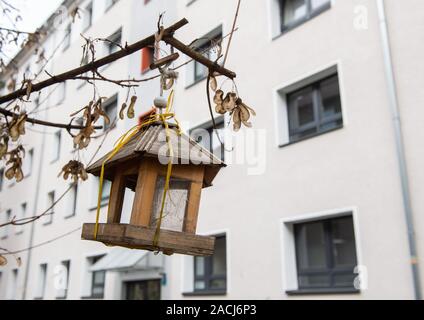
317	199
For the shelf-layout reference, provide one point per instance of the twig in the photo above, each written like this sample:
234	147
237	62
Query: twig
232	32
93	65
45	123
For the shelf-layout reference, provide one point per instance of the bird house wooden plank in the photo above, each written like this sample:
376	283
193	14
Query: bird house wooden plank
137	166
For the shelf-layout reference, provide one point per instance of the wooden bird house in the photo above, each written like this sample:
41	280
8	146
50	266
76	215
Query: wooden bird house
141	165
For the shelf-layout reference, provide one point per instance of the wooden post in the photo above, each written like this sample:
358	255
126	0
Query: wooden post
116	199
144	193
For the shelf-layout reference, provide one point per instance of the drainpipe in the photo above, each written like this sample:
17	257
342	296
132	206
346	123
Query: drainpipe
35	212
403	172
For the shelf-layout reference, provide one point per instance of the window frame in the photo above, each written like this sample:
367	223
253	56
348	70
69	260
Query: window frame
1	179
23	207
330	269
42	284
50	195
111	45
110	5
319	121
6	229
68	37
208	126
200	45
207	273
63	294
89	10
113	100
58	142
310	14
94	260
74	201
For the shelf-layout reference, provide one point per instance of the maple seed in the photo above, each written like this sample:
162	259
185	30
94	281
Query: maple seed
213	84
3	261
121	112
131	111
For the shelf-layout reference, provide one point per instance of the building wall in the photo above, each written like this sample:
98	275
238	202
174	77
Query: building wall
253	200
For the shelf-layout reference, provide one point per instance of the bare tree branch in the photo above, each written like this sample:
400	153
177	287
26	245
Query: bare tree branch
92	65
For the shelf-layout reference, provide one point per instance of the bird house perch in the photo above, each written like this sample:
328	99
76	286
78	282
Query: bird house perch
137	166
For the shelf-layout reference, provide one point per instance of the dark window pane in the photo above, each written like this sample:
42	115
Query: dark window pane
344	280
199	266
330	98
311	249
303	106
219	259
210	272
331	125
293	11
326	253
314	281
217	284
343	242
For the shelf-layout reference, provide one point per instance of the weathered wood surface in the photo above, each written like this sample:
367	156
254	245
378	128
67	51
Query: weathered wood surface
137	237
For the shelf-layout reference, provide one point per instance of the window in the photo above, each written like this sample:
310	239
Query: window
115	41
61	92
62	274
147	57
57	142
143	290
111	109
207	47
13	293
5	230
1	179
314	109
110	3
42	278
207	138
73	195
210	273
28	162
325	253
295	12
107	185
67	39
97	280
88	17
175	203
22	214
48	218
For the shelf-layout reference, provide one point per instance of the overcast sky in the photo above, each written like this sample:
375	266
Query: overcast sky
34	13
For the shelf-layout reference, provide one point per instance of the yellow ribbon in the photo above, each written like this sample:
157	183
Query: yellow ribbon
124	140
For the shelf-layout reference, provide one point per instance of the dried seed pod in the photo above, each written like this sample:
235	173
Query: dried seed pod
10	173
28	89
121	112
218	98
244	112
213	83
3	261
19	175
131	108
229	102
14	132
220	109
21	123
3	149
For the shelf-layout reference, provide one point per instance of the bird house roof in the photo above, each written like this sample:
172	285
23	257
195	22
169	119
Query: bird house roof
151	142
